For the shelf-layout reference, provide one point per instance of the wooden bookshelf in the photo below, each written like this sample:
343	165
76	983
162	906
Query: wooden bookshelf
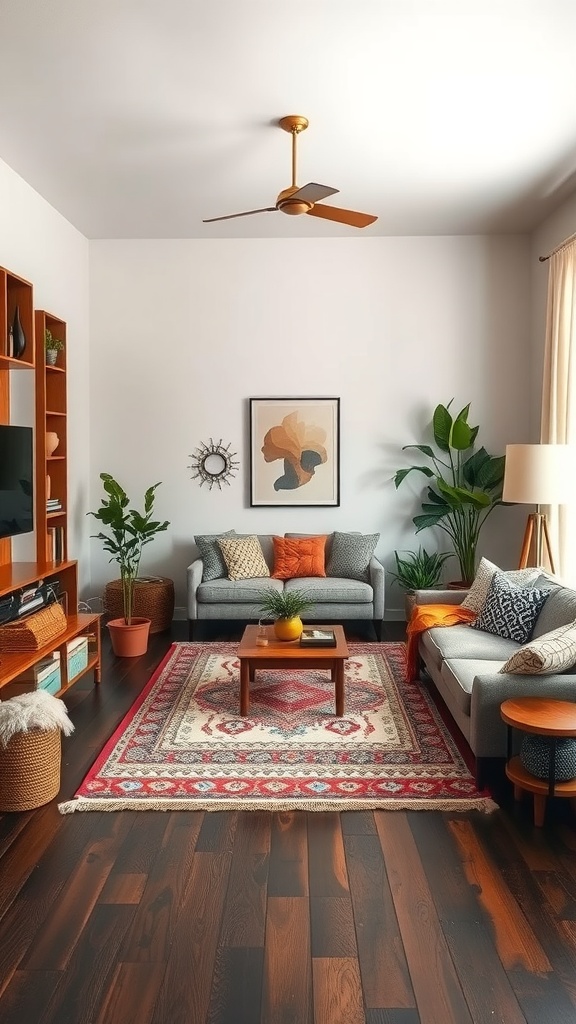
51	418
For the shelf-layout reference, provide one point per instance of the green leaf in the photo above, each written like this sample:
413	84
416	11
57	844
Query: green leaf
403	473
442	425
424	448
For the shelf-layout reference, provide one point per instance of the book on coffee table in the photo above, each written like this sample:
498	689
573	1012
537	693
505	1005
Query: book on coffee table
318	638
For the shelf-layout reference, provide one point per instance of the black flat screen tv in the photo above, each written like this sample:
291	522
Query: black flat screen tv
16	480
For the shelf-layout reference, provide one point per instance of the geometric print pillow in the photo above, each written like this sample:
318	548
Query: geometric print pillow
214	566
244	558
510	611
478	592
351	554
552	652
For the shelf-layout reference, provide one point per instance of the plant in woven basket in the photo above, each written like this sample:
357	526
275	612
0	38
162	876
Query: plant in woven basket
128	531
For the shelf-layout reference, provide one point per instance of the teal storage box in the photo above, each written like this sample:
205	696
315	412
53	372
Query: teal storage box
77	656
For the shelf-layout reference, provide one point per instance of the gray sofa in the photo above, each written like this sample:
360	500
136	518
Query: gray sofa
336	599
464	665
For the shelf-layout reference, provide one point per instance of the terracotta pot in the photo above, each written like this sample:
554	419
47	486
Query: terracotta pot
129	641
288	629
52	442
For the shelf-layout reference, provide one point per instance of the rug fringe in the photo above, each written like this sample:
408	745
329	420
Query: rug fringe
484	804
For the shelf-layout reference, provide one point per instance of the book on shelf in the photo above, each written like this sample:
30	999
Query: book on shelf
56	534
318	638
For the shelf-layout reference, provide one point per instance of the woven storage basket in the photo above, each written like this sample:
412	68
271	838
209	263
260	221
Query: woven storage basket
154	601
33	632
30	769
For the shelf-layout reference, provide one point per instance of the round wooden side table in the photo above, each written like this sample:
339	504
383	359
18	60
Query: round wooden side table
555	719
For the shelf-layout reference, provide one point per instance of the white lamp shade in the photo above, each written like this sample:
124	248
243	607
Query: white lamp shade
540	474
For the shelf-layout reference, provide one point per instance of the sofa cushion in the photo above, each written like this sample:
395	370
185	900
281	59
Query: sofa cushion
302	556
244	557
332	591
458	676
552	652
214	566
465	643
510	611
476	597
350	555
559	610
235	592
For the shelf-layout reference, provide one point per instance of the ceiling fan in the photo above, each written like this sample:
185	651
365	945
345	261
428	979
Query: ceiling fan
295	200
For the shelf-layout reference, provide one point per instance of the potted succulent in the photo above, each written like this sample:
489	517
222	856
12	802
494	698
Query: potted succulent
285	606
53	346
128	532
419	570
465	485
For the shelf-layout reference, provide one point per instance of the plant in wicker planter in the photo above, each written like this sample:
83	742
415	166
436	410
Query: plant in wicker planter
419	570
285	606
53	346
128	532
30	749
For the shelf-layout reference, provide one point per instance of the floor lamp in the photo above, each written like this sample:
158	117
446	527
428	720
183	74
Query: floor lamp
538	474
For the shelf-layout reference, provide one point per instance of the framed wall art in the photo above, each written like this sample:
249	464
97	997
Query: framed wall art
294	451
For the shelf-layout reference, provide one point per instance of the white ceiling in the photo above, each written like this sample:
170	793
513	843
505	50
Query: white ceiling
137	118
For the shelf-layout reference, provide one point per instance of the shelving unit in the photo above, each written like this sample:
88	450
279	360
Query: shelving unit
50	388
51	417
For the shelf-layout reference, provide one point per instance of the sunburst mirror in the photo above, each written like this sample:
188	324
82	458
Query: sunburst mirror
213	463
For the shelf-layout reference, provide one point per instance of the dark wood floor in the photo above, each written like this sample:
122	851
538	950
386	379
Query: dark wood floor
293	918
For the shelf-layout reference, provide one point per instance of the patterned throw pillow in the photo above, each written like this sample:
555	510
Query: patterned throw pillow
478	592
510	611
244	558
350	555
298	557
552	652
214	567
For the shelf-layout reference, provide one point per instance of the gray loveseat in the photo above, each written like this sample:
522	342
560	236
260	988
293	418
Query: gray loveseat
336	599
464	665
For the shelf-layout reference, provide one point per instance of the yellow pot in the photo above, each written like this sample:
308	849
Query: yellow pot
288	629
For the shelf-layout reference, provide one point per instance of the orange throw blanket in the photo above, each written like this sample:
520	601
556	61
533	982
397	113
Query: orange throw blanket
423	617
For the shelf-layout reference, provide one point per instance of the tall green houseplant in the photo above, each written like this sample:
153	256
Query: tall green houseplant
465	485
128	532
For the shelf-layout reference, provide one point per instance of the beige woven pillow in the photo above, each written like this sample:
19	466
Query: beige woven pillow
476	596
244	558
551	652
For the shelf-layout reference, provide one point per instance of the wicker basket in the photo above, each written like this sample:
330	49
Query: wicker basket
33	632
153	600
30	769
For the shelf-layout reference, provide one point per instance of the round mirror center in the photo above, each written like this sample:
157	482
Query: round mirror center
214	464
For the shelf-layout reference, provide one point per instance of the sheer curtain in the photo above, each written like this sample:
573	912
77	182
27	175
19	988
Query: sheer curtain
559	394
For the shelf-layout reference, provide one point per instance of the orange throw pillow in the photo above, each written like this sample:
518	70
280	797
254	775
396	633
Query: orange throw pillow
298	556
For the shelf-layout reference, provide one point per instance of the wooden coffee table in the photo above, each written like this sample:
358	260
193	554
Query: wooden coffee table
555	719
289	654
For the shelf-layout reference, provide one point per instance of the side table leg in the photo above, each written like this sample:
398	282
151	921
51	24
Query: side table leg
339	686
539	809
244	686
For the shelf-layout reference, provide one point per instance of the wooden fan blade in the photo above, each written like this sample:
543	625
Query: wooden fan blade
351	217
230	216
312	192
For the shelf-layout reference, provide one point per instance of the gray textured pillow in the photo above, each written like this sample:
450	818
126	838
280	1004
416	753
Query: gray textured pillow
214	565
350	555
510	611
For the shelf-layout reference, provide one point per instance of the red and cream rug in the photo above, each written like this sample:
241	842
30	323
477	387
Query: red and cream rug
184	746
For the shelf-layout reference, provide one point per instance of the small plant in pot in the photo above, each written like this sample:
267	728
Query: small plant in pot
285	607
53	346
419	570
128	532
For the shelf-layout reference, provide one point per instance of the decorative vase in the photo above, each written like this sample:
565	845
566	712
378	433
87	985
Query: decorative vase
52	442
18	336
51	356
288	629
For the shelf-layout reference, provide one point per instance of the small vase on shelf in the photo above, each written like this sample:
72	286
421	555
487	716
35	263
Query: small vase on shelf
51	356
18	336
52	442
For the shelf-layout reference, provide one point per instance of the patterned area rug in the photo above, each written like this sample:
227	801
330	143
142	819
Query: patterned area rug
183	745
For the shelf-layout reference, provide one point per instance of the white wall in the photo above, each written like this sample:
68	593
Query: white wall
183	332
38	244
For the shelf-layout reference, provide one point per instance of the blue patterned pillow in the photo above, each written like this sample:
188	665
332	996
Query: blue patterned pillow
350	555
510	611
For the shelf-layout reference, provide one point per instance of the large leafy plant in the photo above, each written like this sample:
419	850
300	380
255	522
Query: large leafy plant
465	485
128	532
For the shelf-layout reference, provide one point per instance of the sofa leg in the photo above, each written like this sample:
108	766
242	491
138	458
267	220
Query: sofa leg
378	628
190	630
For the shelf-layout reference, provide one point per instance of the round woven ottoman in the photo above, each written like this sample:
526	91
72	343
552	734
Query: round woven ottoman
30	769
535	756
153	599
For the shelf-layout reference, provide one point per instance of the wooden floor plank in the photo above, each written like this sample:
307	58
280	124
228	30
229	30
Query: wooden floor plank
287	987
132	993
385	975
237	986
337	991
358	823
245	911
326	860
288	869
27	994
332	927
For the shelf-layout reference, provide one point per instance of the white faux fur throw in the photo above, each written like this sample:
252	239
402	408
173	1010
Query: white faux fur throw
35	710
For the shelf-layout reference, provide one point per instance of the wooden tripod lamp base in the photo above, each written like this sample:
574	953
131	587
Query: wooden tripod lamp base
536	539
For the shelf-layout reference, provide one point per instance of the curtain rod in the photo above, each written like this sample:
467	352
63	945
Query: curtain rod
542	259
